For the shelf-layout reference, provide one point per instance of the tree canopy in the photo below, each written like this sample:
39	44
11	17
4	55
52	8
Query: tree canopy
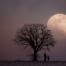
37	36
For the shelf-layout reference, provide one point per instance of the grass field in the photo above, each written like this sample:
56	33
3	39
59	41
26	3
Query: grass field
30	63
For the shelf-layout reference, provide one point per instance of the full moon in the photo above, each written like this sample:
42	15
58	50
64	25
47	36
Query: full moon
57	25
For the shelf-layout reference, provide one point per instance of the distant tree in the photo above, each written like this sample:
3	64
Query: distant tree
36	36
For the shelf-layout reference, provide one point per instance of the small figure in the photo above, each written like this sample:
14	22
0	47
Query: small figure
48	58
45	56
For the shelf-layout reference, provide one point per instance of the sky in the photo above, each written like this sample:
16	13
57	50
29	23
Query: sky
15	13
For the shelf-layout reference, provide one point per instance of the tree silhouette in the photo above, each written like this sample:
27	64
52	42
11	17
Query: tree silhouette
36	36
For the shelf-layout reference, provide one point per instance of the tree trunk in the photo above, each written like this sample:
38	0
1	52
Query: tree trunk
35	56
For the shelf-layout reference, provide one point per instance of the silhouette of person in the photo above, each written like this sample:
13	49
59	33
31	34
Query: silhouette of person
48	58
45	56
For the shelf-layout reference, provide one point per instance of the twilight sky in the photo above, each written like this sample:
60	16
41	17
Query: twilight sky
15	13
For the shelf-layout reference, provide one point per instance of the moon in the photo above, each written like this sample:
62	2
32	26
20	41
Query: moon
57	25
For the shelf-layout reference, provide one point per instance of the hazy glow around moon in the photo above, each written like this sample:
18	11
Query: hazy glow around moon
57	24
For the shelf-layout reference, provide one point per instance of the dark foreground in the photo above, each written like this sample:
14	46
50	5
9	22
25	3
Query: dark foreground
27	63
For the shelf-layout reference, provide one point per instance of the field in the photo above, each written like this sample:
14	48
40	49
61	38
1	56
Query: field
27	63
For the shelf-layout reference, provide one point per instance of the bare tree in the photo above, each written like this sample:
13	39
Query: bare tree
37	36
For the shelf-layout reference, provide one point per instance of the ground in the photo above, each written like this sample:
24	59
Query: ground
27	63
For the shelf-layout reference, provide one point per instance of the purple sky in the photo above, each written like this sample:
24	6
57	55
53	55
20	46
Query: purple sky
15	13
